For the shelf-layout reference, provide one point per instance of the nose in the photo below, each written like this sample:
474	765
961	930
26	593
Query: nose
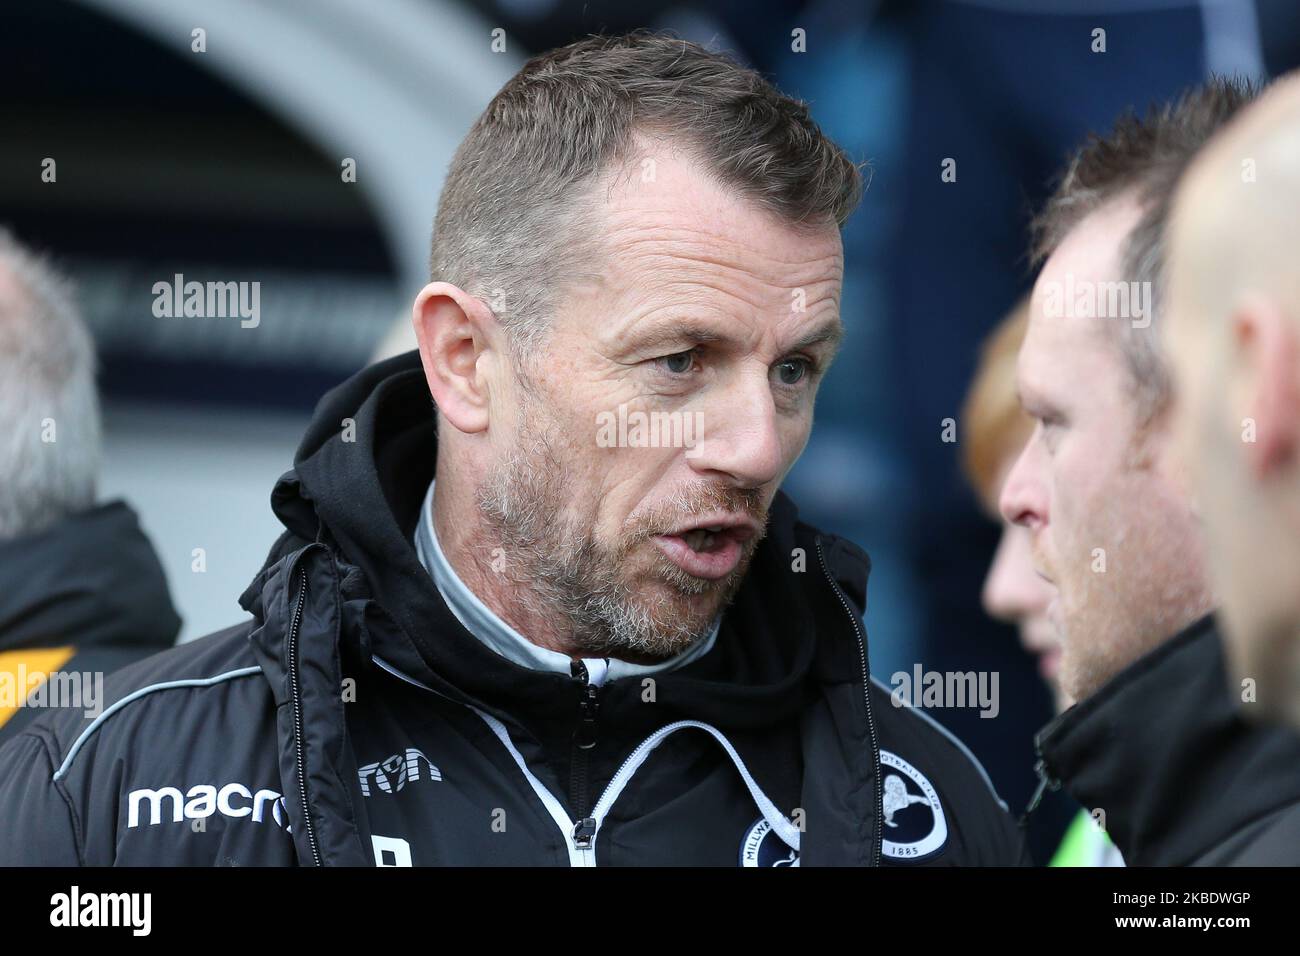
1012	590
741	437
995	594
1023	500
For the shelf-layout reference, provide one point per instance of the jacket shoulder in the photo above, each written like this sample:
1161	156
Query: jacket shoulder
194	676
1273	840
979	824
197	715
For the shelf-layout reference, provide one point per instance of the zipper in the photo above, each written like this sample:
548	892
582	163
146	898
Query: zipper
297	711
1046	781
580	835
584	739
866	690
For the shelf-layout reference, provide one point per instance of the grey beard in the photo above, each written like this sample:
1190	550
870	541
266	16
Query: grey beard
563	573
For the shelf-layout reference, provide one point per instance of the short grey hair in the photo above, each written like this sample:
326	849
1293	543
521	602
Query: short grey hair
1144	157
47	390
511	223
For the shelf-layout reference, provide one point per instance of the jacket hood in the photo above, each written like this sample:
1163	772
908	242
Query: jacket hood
357	486
1164	750
90	580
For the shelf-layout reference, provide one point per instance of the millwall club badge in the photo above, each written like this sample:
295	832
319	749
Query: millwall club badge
915	827
762	847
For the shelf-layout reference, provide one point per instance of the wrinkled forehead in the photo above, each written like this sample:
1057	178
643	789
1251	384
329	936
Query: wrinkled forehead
667	216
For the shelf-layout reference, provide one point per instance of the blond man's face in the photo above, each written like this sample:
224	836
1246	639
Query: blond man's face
1111	529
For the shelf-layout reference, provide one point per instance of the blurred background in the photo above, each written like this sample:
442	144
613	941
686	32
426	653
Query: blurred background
229	161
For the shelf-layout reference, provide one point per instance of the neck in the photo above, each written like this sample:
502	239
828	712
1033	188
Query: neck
483	562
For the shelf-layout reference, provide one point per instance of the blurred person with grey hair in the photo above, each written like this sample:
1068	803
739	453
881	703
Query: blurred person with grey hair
81	591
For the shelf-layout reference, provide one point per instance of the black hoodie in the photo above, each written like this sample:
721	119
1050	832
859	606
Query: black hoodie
90	585
1184	779
359	723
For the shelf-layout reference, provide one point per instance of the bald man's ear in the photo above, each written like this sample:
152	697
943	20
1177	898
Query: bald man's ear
456	332
1267	359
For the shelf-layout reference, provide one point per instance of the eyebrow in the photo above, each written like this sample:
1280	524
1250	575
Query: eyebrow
831	333
1033	398
672	333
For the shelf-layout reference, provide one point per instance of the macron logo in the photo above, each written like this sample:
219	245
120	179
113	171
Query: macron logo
169	805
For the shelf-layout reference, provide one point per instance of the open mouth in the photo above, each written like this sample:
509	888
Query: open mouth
709	550
703	539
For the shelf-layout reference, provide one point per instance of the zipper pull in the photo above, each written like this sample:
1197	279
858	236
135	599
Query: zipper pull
584	832
1045	782
584	737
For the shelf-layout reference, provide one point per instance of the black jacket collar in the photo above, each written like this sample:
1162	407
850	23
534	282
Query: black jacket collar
1164	751
91	580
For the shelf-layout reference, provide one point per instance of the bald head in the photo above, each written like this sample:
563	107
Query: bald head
1235	216
1234	343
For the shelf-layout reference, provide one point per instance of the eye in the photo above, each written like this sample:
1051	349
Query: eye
679	363
793	371
1049	426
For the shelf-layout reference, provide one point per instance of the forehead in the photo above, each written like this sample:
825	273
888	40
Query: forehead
1063	350
1062	354
664	218
1093	249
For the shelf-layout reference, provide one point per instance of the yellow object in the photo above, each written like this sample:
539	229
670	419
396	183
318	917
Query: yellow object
24	670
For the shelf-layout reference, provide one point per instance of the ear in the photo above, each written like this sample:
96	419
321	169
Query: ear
1268	362
455	331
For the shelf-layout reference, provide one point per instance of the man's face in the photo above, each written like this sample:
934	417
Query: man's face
1095	487
1015	593
672	394
1224	426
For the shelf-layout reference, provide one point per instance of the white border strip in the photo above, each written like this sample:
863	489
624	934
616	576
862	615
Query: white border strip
136	695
